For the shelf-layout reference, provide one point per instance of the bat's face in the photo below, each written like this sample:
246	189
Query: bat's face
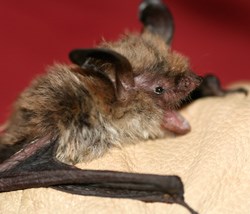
163	76
159	71
168	89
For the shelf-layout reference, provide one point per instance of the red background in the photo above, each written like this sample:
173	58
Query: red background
214	34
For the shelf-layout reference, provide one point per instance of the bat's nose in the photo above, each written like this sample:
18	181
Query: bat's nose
189	82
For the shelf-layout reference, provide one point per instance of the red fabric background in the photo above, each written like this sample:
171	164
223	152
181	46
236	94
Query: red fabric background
214	34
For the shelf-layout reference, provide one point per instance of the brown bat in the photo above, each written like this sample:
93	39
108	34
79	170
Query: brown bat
120	92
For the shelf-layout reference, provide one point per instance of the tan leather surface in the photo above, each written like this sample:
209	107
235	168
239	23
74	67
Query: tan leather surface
213	162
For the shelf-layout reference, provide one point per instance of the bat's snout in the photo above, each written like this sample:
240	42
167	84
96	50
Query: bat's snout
189	82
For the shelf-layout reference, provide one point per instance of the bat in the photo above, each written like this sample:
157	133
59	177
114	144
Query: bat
119	92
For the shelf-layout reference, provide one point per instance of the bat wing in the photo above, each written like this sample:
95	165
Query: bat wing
36	166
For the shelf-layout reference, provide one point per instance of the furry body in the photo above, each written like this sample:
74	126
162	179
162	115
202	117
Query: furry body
70	103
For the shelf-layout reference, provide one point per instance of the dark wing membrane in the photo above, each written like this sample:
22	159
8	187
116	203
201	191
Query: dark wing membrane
36	166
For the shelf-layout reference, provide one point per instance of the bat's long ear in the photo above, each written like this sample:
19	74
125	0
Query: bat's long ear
157	18
124	79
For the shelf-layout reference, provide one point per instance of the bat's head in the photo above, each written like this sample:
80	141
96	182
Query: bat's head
143	65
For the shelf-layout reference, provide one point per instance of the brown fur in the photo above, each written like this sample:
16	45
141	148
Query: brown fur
79	107
148	51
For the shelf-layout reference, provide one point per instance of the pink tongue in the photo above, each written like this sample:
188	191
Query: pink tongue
174	122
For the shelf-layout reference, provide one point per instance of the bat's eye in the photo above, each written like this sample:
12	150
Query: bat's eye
159	90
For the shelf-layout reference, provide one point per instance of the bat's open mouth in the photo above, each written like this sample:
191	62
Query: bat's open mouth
175	123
